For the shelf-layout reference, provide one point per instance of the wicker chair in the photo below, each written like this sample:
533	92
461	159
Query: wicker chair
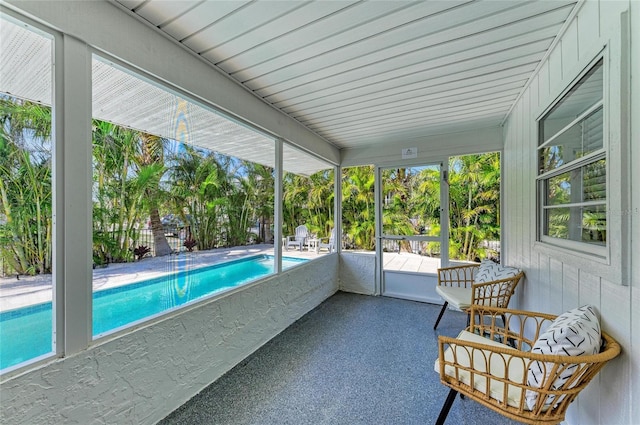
457	287
486	362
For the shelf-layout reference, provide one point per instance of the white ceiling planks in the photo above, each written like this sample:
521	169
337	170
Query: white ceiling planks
293	20
236	24
350	23
162	11
363	72
199	18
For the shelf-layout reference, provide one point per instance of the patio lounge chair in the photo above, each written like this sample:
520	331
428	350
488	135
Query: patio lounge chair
328	242
299	239
531	369
486	283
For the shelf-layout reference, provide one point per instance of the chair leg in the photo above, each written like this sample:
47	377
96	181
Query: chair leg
444	412
444	307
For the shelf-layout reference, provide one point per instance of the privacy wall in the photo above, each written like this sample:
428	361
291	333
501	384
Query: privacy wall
557	281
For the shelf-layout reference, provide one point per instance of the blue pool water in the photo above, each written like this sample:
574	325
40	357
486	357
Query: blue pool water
26	333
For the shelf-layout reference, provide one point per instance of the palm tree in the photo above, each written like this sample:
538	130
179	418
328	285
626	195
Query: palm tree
474	190
258	184
25	186
151	167
117	192
358	212
197	183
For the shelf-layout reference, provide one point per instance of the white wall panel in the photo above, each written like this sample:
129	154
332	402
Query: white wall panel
570	286
543	83
555	285
570	48
558	284
634	213
588	29
436	146
534	92
589	290
556	79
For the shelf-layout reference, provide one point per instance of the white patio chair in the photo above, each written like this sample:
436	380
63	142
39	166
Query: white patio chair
330	243
299	239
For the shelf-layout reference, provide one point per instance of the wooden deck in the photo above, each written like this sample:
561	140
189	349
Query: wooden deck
408	262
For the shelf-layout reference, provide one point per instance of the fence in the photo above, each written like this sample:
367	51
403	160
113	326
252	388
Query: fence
492	248
175	240
390	245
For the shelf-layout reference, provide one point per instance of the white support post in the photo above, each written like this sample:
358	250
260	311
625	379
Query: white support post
379	284
277	209
337	207
73	220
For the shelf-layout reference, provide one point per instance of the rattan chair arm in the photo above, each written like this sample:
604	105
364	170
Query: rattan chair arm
459	276
483	310
465	266
495	282
496	292
501	321
612	349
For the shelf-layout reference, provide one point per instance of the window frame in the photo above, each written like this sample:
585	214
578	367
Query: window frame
58	337
597	252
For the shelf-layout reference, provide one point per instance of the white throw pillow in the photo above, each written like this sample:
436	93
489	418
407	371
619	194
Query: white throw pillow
574	333
490	271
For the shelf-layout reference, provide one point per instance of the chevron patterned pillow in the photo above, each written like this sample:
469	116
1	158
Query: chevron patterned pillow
574	333
490	271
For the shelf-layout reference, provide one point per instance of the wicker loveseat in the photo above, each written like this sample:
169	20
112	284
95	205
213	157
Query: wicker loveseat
495	363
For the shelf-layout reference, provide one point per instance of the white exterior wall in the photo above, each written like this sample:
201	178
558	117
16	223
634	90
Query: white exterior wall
141	377
430	148
557	283
358	272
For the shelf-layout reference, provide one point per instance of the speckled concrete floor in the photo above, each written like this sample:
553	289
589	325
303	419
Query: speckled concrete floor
355	359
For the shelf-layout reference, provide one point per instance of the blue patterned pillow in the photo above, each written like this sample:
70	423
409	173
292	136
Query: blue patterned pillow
490	271
574	333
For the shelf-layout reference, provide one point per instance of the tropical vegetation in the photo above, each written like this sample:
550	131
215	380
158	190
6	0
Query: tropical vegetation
147	185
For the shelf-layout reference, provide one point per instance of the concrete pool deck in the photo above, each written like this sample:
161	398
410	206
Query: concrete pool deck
31	290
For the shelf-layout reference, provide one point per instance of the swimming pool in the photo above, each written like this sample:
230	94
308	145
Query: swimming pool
25	333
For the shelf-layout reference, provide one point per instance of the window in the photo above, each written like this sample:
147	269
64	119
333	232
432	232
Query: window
26	202
358	208
572	168
183	200
474	207
307	205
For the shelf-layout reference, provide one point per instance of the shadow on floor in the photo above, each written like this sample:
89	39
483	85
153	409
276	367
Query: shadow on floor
355	359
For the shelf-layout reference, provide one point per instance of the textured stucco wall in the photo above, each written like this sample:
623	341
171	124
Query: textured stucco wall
140	377
358	272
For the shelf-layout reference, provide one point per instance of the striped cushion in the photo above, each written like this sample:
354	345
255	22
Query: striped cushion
489	271
574	333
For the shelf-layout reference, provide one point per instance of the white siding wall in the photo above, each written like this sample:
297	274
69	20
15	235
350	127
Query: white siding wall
554	284
141	377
